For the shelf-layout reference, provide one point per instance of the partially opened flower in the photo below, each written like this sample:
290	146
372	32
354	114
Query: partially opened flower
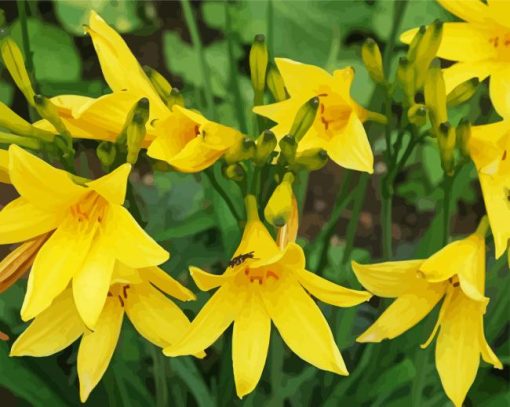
262	284
455	274
338	126
136	292
180	131
480	45
70	231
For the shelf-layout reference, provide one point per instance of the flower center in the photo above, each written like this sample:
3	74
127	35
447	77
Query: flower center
120	291
91	208
332	115
501	44
260	275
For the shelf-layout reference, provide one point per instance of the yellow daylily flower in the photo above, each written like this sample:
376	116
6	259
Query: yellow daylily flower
4	167
185	139
338	126
136	292
79	230
264	283
480	45
455	274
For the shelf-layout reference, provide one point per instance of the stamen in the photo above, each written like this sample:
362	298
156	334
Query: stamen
121	300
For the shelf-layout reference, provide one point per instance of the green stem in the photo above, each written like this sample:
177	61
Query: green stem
252	211
399	9
159	372
386	220
216	185
191	23
447	186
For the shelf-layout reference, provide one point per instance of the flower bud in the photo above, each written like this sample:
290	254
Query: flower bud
435	96
16	124
47	110
304	118
463	133
462	92
405	79
266	144
417	115
415	43
234	172
244	149
106	152
135	130
15	64
426	51
258	63
159	83
288	148
275	83
371	56
446	141
175	98
279	207
312	159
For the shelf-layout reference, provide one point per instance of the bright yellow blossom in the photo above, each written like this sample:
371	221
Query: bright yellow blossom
186	140
4	167
262	284
80	230
480	45
338	126
457	274
136	292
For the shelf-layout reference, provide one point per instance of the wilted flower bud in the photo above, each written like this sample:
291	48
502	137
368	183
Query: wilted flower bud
159	83
446	142
288	148
462	92
312	159
463	133
417	114
106	152
244	149
275	83
266	144
15	64
304	118
135	130
279	206
371	56
435	95
234	172
258	63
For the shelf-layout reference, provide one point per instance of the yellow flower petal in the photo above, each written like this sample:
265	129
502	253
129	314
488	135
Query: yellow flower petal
195	156
343	80
92	282
350	147
291	258
458	347
404	313
56	263
212	320
390	279
282	113
20	221
488	354
444	307
462	71
302	80
41	184
130	243
154	316
302	325
470	10
329	292
51	331
257	239
97	347
166	283
500	90
4	167
206	281
250	342
485	143
112	186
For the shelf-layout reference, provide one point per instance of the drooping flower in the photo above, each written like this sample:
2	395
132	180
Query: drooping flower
70	231
135	292
480	45
262	284
338	126
186	140
455	274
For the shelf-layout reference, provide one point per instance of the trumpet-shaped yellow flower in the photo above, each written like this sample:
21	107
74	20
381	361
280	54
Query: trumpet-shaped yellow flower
338	126
457	274
135	292
79	230
262	284
4	167
182	135
480	45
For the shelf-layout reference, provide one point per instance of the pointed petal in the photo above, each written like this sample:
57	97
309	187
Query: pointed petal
250	342
41	184
292	258
130	243
97	347
462	71
444	307
112	186
488	354
206	281
154	316
485	143
458	347
473	11
51	331
343	80
329	292
92	282
4	167
195	156
350	147
404	313
390	279
166	283
472	276
56	263
500	90
302	79
21	221
257	238
281	112
302	325
212	320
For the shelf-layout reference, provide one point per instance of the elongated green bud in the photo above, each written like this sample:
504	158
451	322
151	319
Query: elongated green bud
266	144
435	95
15	64
47	110
279	207
463	134
22	141
106	152
159	83
417	115
371	56
275	83
234	172
135	131
446	141
175	98
11	121
258	63
311	160
405	79
415	44
304	118
243	150
462	92
427	51
288	148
